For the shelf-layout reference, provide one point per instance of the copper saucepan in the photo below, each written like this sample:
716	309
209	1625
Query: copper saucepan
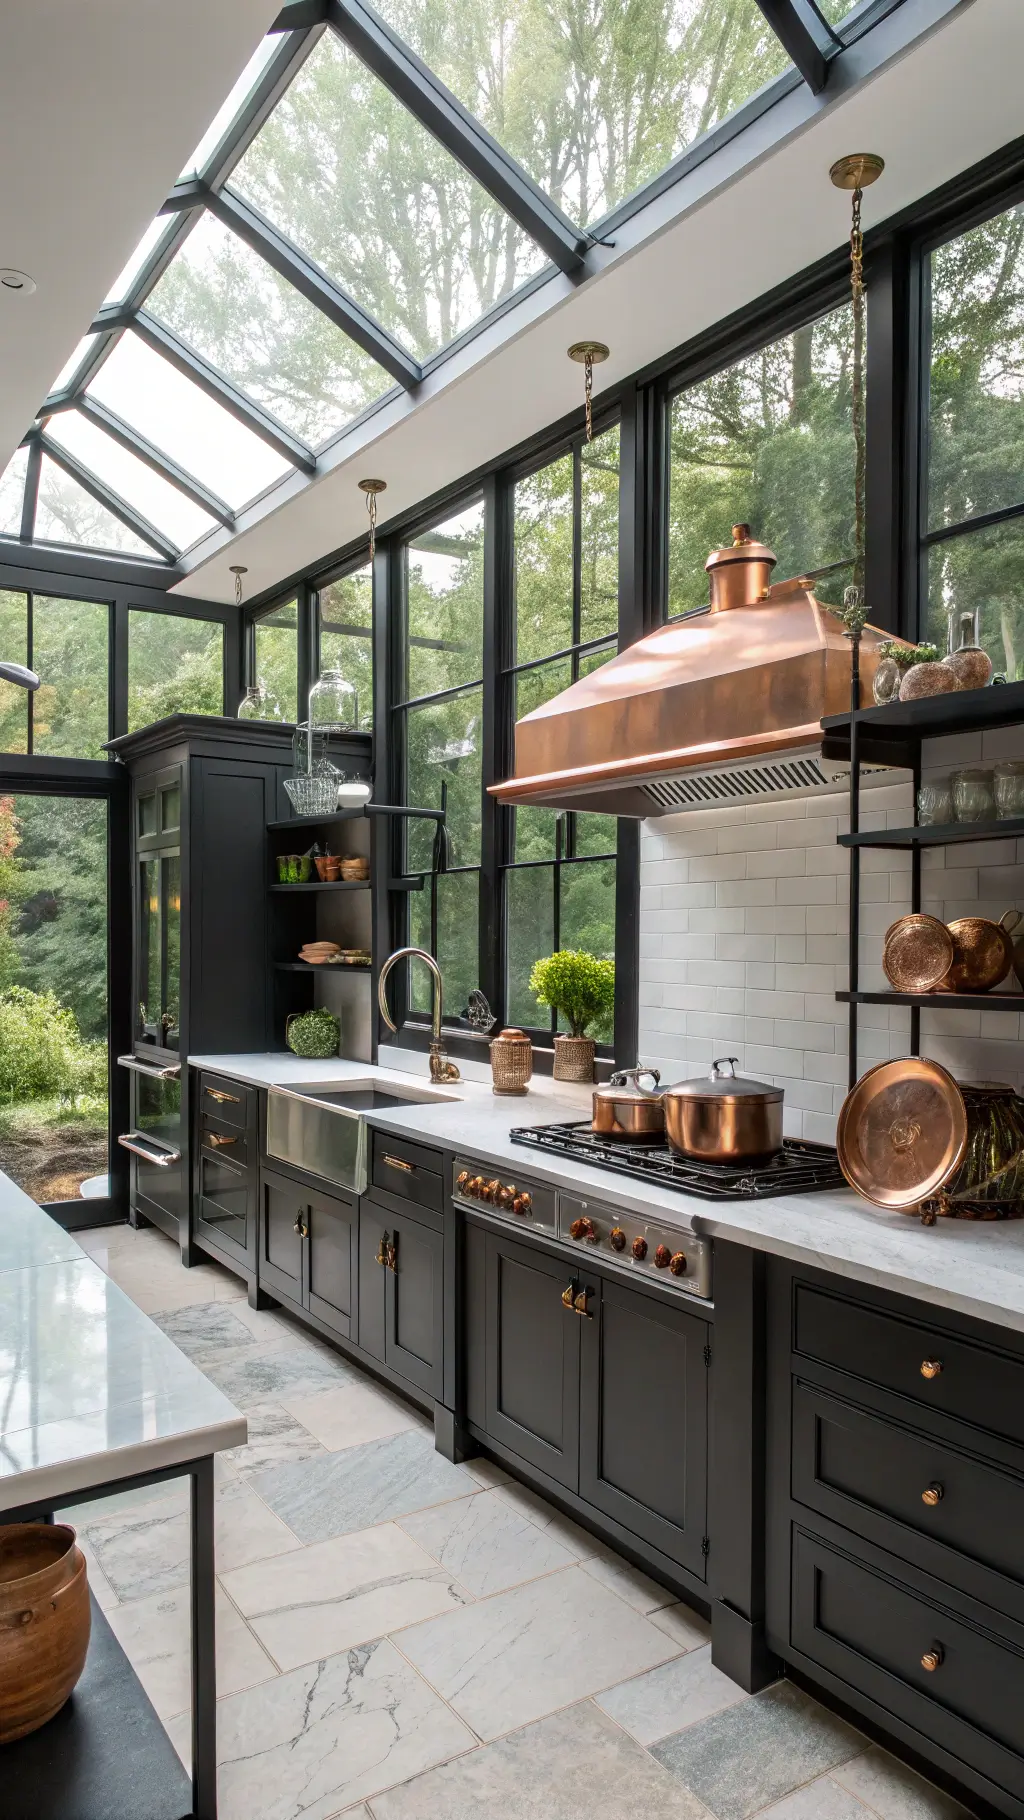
723	1118
630	1112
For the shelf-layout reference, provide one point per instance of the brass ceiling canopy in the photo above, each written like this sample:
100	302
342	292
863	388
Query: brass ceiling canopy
751	677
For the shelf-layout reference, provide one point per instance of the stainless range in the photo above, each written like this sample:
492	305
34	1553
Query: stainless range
638	1247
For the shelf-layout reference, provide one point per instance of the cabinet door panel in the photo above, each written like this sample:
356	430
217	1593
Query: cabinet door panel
331	1278
643	1420
282	1203
533	1359
225	1205
413	1305
371	1281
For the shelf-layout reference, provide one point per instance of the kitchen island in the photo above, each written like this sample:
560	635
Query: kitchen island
96	1401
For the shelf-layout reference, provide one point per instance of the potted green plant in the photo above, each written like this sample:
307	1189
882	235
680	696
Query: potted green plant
582	989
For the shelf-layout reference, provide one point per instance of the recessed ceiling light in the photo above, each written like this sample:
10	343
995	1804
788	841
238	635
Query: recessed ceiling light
18	283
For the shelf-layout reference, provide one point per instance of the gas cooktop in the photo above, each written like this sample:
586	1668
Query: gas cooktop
798	1168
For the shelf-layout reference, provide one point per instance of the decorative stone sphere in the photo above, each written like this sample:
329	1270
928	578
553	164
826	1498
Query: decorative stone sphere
972	667
927	679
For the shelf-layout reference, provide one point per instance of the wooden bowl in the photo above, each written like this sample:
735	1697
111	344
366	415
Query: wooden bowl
44	1623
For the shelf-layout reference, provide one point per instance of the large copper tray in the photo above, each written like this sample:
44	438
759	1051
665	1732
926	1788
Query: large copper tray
902	1132
918	954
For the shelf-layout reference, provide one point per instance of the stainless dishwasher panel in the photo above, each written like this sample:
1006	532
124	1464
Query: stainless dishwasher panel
325	1141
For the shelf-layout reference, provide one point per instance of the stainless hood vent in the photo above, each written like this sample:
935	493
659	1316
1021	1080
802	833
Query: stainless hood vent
790	774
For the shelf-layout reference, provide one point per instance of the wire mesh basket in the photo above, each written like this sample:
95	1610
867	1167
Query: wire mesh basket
313	795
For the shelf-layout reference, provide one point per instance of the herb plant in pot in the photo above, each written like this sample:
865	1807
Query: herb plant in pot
582	989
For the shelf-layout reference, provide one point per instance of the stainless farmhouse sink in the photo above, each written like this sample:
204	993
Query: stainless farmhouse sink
322	1129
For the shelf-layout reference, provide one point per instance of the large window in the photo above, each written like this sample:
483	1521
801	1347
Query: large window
973	493
346	634
769	442
175	666
276	654
439	727
67	643
560	885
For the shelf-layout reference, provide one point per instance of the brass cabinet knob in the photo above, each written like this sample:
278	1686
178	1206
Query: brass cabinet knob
617	1239
583	1228
677	1264
569	1296
933	1658
640	1249
930	1368
580	1304
932	1495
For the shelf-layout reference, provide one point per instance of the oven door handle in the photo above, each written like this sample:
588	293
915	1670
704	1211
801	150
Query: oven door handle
150	1152
156	1073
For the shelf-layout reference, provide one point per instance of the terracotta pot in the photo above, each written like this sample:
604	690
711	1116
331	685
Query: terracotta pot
44	1623
574	1058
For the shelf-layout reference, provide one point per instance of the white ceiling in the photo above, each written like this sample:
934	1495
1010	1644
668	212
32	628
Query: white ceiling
935	109
101	103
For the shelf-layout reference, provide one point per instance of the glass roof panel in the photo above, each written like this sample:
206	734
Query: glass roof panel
835	11
127	276
225	301
594	102
193	429
239	95
344	169
72	363
12	492
66	513
166	508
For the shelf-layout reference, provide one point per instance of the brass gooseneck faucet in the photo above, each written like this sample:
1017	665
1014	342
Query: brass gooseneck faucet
441	1069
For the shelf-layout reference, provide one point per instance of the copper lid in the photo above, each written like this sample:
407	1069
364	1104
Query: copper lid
722	1086
902	1132
511	1036
741	573
919	952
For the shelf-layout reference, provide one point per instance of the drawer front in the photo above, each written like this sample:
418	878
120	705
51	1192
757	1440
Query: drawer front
226	1202
947	1511
934	1368
408	1170
227	1143
877	1634
228	1101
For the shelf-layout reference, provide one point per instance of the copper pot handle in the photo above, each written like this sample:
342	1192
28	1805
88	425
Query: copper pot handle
1017	917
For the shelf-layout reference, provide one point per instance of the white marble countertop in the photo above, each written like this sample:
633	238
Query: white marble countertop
975	1267
90	1389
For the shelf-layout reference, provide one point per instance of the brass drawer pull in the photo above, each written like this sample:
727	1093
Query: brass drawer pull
217	1140
391	1259
933	1658
569	1296
387	1252
215	1093
580	1304
932	1495
930	1368
396	1162
300	1225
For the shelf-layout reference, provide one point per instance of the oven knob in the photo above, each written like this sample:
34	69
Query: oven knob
617	1239
640	1249
677	1264
583	1228
474	1187
493	1191
506	1195
522	1204
461	1179
662	1257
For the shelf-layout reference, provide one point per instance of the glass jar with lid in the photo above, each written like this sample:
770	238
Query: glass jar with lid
973	796
333	704
1008	789
259	703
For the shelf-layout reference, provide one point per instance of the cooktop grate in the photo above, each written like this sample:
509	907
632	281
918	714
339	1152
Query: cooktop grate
798	1168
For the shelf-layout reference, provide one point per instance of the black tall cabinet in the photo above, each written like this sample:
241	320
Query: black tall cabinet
203	790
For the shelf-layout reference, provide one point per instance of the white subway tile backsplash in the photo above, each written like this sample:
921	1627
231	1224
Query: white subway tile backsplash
746	892
748	837
776	862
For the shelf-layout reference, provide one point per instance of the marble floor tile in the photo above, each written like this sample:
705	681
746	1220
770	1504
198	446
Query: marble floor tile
100	1587
743	1759
205	1327
145	1549
155	1634
574	1765
486	1472
521	1654
352	1414
275	1439
270	1322
822	1799
251	1377
685	1626
157	1288
332	1595
638	1590
670	1697
580	1543
360	1486
894	1792
323	1738
486	1544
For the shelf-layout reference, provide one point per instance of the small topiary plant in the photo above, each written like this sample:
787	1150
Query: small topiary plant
576	984
906	656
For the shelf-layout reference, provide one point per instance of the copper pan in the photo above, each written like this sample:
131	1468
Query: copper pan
627	1111
902	1133
918	954
984	952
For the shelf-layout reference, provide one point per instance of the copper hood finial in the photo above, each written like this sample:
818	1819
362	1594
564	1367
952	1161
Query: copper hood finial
741	573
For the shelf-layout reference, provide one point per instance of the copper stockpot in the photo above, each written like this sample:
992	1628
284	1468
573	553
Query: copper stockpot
630	1112
722	1118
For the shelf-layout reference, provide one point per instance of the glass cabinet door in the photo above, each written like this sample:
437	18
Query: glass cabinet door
158	913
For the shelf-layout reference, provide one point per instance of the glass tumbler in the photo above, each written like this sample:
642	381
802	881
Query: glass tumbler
1008	789
935	804
973	796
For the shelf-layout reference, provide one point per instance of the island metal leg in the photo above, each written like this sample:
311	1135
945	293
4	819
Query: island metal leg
204	1668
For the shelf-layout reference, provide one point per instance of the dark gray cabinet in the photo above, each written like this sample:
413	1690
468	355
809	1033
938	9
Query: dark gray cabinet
225	1198
532	1363
307	1249
400	1294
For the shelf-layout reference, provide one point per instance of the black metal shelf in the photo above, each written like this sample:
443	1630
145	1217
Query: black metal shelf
938	1001
323	967
907	723
337	884
939	834
317	821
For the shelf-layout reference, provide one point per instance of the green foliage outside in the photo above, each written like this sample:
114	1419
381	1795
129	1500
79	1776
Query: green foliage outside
175	666
42	1053
578	985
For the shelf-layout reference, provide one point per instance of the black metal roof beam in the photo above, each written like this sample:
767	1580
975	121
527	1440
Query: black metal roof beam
287	59
300	14
307	278
805	36
436	108
216	386
31	493
112	502
154	458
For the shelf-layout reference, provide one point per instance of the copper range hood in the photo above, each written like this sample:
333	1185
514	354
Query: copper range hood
734	693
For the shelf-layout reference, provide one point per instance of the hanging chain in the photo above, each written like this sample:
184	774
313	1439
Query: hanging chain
860	467
588	388
371	507
238	570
